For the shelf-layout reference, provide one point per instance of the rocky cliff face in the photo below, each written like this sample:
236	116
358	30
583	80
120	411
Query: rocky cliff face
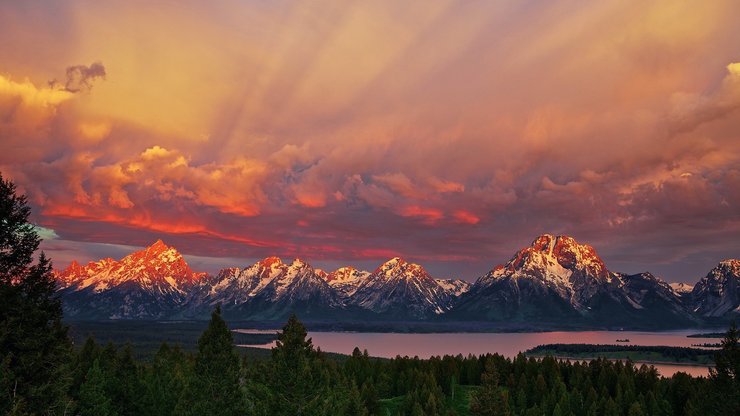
718	293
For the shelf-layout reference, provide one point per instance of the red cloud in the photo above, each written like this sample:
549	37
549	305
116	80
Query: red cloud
465	217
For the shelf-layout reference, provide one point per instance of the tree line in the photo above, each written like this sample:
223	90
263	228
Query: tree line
674	353
42	373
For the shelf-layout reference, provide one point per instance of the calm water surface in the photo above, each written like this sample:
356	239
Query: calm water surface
509	344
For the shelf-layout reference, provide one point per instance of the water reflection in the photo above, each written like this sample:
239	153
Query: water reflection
509	344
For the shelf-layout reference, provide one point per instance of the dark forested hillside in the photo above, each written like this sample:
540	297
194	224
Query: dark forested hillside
296	378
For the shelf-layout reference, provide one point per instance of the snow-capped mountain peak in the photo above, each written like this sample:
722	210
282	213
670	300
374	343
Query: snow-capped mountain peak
454	286
157	273
398	287
681	288
553	278
560	253
556	270
343	274
270	262
718	293
155	265
346	279
398	268
76	272
298	264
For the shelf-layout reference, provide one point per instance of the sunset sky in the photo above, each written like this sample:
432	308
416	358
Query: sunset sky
347	132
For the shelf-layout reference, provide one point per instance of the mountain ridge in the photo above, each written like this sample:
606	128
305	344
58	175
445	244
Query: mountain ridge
554	278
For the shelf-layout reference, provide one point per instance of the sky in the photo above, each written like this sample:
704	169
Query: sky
347	132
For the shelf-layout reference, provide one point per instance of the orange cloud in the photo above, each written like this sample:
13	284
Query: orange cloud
428	215
377	125
30	95
465	217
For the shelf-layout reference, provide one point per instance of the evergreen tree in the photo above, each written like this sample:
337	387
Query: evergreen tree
355	405
636	410
213	388
94	399
296	380
369	396
725	377
126	389
164	381
488	401
34	345
292	347
82	363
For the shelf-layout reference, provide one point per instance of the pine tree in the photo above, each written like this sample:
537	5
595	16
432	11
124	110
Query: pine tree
94	399
164	381
126	389
370	397
636	410
33	341
488	401
213	388
296	371
291	346
82	363
725	377
355	405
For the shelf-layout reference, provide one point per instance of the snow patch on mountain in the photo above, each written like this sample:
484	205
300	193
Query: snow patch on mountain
681	288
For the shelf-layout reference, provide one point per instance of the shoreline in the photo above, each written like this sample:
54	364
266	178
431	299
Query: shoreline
649	362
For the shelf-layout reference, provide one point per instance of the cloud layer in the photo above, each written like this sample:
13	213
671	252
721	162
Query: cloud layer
448	133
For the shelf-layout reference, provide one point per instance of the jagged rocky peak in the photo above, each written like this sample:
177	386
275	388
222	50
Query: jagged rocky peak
75	268
76	273
157	252
299	264
344	274
270	262
275	263
718	293
159	259
729	267
725	271
564	251
398	267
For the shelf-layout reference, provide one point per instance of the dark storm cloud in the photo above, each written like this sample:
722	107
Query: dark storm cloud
80	77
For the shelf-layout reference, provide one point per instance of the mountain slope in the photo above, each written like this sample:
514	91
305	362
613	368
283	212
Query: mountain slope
718	293
398	289
655	299
557	280
346	280
681	288
151	283
269	289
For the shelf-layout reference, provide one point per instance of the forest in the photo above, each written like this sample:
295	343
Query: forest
298	379
43	373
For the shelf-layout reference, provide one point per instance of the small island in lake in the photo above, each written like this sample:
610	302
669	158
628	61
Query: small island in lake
637	353
707	335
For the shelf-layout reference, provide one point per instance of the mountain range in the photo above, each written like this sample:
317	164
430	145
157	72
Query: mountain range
555	281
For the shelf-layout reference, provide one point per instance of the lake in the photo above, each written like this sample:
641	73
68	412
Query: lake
389	345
